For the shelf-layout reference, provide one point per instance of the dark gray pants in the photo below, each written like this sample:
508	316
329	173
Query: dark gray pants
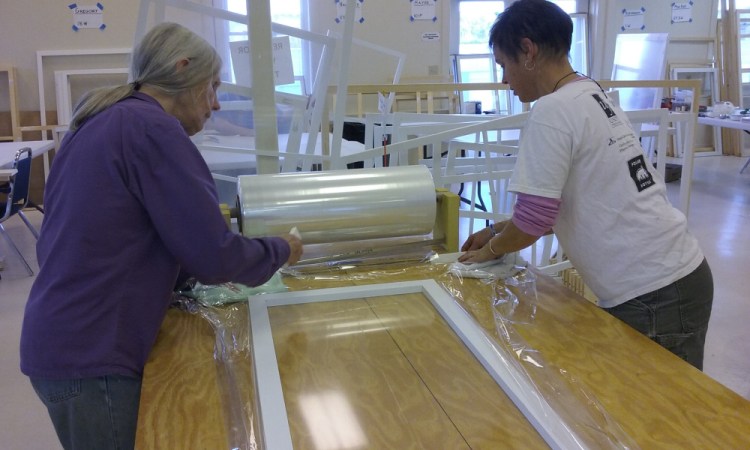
92	413
675	316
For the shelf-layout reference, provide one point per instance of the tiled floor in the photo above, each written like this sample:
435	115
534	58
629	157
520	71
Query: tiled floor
719	214
720	210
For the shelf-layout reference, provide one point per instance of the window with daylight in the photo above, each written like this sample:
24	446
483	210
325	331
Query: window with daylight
473	63
743	28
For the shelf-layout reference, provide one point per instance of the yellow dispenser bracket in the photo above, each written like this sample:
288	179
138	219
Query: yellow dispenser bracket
446	219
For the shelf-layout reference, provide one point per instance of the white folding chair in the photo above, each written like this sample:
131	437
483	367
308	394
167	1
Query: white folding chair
651	126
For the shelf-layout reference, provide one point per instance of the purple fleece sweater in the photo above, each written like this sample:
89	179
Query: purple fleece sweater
129	203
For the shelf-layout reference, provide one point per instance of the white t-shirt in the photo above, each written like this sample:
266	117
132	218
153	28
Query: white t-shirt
615	221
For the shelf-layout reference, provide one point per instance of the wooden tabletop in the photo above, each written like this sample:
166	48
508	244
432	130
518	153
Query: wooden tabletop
412	385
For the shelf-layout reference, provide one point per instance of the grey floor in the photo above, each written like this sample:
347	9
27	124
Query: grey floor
720	212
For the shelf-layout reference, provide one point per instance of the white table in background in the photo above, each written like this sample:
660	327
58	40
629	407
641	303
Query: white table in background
239	152
38	148
8	151
5	174
728	123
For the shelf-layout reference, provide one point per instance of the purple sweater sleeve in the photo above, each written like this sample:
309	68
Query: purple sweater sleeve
535	215
178	192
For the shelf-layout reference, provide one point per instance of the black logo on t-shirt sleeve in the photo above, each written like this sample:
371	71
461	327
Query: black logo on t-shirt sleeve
607	110
639	173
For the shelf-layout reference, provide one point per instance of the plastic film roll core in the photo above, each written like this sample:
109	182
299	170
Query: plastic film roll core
339	205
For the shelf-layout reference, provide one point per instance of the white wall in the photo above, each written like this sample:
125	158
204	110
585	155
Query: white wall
686	44
27	27
387	24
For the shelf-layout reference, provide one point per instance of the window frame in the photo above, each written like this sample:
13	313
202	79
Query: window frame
512	380
580	16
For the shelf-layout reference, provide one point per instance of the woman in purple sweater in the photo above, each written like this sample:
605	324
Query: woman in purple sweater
130	205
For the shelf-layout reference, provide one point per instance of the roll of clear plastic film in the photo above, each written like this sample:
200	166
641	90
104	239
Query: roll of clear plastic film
339	205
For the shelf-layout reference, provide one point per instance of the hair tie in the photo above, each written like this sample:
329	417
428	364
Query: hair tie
136	85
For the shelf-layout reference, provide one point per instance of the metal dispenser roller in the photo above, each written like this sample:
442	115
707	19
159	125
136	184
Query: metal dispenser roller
339	206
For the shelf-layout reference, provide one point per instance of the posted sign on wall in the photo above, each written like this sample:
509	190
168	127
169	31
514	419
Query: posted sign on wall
283	69
88	16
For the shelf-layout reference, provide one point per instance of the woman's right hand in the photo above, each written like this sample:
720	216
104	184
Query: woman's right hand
295	247
483	236
477	240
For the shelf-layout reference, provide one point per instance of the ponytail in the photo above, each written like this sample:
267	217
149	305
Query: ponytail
154	63
96	101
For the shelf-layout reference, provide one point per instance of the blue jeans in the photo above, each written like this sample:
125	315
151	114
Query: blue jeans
92	413
675	316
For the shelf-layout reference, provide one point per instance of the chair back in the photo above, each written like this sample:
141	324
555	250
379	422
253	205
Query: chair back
651	127
17	193
18	196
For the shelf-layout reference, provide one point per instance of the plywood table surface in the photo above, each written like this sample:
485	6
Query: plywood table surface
657	399
388	372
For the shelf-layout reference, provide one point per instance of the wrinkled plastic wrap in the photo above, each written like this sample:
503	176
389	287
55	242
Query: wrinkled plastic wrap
514	308
235	376
220	294
513	304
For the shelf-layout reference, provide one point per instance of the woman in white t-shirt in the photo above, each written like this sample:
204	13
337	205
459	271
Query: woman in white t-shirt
582	174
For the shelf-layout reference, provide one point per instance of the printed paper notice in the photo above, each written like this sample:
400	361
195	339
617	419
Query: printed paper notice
283	68
423	10
682	12
632	19
341	11
89	16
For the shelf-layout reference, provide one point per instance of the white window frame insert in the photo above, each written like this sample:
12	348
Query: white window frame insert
509	377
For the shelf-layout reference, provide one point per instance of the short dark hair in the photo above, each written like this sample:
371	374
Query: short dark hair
542	22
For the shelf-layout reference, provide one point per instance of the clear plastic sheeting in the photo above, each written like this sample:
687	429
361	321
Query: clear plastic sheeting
506	310
514	308
339	205
502	268
234	372
219	294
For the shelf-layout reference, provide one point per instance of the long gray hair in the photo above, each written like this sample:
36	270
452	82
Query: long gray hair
154	63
